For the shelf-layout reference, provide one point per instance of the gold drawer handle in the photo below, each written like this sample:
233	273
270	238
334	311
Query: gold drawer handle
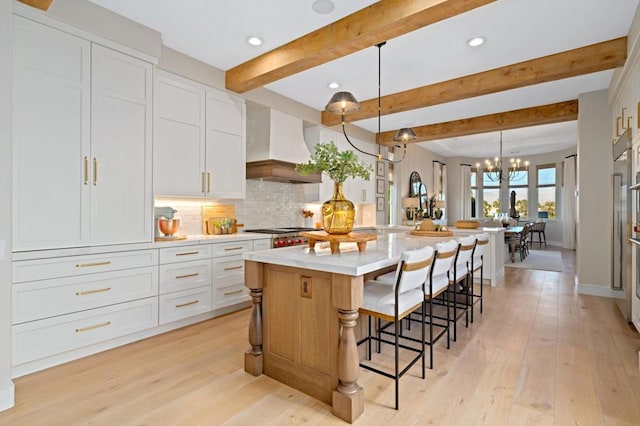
231	268
233	292
187	275
98	290
189	253
93	327
86	265
86	170
181	305
233	248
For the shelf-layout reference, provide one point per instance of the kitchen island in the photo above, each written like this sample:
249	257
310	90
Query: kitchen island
305	310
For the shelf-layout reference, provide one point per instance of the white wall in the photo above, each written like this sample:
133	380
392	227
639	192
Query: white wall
6	385
595	165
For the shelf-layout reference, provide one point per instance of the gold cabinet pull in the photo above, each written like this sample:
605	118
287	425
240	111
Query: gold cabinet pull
93	327
182	305
233	292
95	171
202	176
364	195
233	248
208	182
622	118
231	268
618	126
98	290
187	253
87	265
86	170
187	275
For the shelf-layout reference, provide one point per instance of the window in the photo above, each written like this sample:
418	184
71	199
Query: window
490	195
519	182
474	191
547	191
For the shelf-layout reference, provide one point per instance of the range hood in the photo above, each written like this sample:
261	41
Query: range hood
275	143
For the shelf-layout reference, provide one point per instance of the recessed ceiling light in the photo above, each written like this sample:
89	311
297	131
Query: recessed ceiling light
476	41
254	40
323	6
334	85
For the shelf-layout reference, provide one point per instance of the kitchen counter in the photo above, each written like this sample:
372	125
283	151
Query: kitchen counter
190	240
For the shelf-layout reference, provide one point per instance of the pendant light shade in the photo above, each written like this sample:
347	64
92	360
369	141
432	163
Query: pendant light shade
342	103
405	134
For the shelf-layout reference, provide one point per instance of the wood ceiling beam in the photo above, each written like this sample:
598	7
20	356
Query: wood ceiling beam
374	24
38	4
596	57
544	114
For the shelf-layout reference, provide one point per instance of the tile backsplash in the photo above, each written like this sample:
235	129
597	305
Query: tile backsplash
266	205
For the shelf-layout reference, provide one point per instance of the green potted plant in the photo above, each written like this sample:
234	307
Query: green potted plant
338	213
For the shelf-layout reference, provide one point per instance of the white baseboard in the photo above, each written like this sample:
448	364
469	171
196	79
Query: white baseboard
7	397
598	290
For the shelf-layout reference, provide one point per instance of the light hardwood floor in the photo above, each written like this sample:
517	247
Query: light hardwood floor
540	354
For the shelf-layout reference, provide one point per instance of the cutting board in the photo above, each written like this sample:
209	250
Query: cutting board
218	211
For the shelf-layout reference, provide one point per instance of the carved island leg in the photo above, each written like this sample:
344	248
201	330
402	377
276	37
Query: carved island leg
253	357
348	398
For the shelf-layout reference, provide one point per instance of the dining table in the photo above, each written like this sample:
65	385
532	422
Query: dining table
511	235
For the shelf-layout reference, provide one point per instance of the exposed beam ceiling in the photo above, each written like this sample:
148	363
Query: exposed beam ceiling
545	114
596	57
379	22
38	4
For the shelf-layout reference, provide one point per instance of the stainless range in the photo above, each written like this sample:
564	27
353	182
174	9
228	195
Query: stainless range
284	237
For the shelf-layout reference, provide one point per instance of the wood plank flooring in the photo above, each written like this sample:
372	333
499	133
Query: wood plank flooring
539	355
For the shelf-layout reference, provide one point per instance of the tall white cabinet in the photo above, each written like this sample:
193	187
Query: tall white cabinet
199	148
82	142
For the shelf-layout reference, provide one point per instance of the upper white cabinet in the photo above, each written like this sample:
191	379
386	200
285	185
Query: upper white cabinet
200	140
81	142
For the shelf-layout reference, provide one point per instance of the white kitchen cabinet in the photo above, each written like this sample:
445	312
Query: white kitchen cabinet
200	140
81	142
264	244
65	303
184	304
121	117
228	273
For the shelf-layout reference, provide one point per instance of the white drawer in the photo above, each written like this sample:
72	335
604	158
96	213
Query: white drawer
42	299
185	253
231	248
262	245
230	295
59	267
227	269
184	304
39	339
184	275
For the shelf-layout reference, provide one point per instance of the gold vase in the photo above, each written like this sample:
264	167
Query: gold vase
338	213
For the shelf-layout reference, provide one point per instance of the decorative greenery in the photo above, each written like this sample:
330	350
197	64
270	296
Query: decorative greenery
339	165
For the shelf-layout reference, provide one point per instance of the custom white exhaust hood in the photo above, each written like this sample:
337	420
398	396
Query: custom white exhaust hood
275	143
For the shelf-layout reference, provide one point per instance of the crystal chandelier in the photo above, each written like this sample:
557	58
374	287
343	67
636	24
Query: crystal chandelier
494	171
345	103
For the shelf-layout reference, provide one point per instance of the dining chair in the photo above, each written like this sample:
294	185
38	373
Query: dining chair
392	303
538	228
477	263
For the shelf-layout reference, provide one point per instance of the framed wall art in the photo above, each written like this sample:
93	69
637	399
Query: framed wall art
380	168
380	204
380	186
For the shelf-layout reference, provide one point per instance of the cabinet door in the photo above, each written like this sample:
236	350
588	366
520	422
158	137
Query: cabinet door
178	147
121	113
51	96
225	151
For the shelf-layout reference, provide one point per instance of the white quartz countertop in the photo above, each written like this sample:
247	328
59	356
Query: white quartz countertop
383	252
190	240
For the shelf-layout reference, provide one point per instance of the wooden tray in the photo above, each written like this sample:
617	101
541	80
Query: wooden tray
467	224
174	238
360	238
431	233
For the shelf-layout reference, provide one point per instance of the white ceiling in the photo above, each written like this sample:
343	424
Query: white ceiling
516	30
